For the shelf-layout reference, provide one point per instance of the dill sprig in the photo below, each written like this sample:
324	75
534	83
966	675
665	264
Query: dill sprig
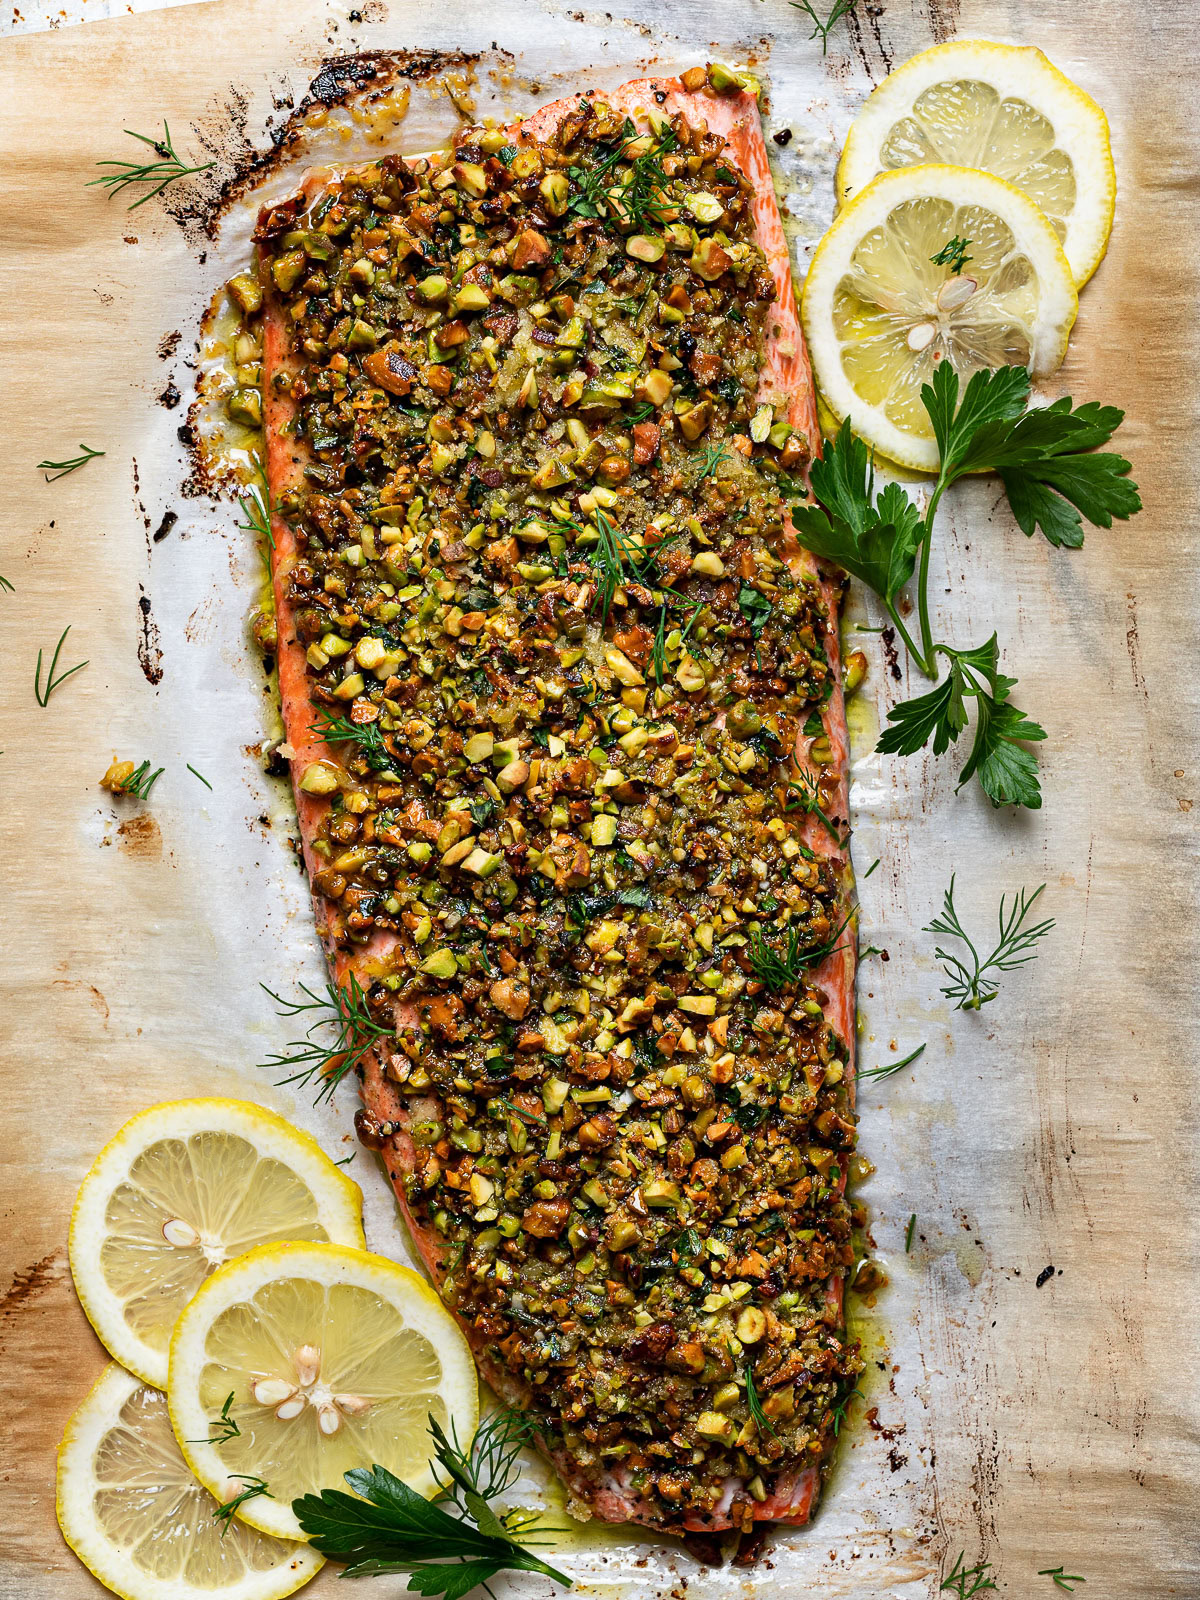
635	196
778	967
1062	1580
368	736
53	470
970	986
346	1011
254	1488
953	254
805	791
520	1111
226	1426
714	455
158	174
822	30
139	782
257	509
619	558
490	1466
893	1066
959	1576
42	695
754	1405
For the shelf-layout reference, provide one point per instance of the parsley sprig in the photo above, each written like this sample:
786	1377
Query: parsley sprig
970	984
1055	477
448	1545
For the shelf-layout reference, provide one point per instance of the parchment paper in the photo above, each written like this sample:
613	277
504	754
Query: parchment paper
1028	1426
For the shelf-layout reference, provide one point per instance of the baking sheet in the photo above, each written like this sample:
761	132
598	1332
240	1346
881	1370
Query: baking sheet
1025	1425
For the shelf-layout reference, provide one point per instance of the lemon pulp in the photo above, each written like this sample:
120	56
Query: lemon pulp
135	1515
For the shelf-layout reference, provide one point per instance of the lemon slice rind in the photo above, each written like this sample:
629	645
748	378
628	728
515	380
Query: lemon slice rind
81	1489
1016	73
258	1293
961	187
337	1204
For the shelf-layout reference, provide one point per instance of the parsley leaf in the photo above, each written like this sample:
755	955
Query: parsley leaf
1007	773
755	607
387	1527
939	715
1047	459
875	539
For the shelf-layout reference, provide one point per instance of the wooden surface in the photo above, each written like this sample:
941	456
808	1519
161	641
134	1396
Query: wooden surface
1028	1426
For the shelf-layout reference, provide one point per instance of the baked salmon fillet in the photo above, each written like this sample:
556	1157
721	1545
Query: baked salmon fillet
563	704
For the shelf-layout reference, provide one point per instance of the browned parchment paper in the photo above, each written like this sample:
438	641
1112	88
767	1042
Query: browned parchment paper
1029	1426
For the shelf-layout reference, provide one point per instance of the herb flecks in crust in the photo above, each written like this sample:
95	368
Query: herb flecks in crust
562	660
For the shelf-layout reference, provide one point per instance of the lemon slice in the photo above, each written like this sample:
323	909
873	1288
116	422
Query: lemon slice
879	313
333	1358
182	1188
1004	108
138	1520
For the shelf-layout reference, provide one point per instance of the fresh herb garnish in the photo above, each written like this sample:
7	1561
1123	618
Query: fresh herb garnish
822	30
908	1233
226	1426
368	736
519	1111
960	1576
970	986
894	1066
257	509
754	1405
636	197
158	174
139	782
1063	1580
953	254
199	775
870	869
6	586
41	695
619	558
755	607
839	1411
714	456
344	1010
1007	773
1054	477
447	1552
804	791
54	470
254	1488
777	967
